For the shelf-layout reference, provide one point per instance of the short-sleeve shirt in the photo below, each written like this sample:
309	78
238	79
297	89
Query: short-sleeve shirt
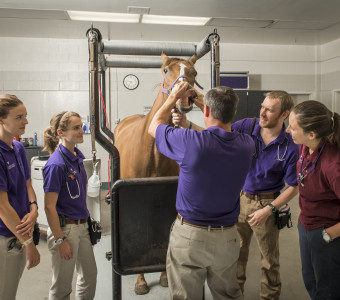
319	198
71	190
213	166
275	163
14	173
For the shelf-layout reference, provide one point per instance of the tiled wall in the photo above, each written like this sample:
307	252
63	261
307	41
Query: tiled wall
52	74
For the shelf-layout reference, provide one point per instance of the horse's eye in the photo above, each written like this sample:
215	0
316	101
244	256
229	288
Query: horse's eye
165	71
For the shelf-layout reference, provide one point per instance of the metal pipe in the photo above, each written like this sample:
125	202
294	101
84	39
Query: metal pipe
120	61
215	59
109	147
103	125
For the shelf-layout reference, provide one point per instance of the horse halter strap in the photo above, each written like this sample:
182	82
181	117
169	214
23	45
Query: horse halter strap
165	91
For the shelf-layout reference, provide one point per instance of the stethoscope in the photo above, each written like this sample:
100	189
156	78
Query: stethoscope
300	176
277	157
70	174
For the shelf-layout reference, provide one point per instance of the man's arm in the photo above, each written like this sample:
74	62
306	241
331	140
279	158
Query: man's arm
162	115
260	216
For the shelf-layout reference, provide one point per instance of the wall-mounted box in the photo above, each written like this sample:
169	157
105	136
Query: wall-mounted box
235	80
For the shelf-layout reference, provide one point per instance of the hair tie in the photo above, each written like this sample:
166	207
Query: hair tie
58	122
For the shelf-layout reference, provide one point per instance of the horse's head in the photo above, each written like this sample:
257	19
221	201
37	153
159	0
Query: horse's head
174	70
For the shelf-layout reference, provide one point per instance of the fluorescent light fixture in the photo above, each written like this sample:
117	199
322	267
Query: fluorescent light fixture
103	16
174	20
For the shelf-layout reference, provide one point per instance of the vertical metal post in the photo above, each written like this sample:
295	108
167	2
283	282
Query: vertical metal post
94	111
215	59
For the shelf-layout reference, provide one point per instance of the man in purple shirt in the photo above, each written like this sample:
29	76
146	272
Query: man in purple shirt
274	163
213	166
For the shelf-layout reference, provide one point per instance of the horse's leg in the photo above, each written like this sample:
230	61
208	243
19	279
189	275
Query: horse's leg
163	280
141	286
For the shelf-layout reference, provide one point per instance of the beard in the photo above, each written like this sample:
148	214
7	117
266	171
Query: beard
265	123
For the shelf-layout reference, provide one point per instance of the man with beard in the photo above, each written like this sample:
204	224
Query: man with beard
273	164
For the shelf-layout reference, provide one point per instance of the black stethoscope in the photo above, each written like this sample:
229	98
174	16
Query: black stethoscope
70	174
277	157
300	176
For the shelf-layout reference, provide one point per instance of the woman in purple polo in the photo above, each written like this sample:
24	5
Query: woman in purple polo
65	206
317	129
18	203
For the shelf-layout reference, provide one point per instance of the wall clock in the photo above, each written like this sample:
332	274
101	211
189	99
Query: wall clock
131	81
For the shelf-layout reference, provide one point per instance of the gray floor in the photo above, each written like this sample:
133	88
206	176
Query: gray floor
35	283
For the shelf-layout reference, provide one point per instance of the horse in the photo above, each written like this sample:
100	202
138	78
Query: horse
138	154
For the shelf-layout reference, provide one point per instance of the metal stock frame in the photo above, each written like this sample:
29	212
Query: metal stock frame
127	57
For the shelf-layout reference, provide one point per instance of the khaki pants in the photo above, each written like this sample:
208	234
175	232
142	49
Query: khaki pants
12	264
195	255
83	260
267	236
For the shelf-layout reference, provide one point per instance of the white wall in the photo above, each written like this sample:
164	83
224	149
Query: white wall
52	74
330	73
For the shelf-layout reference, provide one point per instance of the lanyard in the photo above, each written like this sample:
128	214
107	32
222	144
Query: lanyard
301	177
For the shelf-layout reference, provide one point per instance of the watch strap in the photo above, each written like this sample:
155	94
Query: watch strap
272	208
33	202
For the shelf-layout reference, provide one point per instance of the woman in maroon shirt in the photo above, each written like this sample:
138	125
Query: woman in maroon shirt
317	129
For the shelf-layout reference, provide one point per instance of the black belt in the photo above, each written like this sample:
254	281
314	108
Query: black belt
208	227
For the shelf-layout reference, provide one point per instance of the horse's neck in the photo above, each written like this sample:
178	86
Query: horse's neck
160	99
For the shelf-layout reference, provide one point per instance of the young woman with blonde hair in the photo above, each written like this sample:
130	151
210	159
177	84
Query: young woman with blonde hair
18	203
65	206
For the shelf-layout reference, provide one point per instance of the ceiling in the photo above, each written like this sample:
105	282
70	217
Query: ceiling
305	22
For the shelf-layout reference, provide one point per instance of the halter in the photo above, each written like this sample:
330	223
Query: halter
165	91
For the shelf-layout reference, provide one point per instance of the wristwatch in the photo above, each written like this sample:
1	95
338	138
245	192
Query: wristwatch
326	237
59	241
34	202
272	208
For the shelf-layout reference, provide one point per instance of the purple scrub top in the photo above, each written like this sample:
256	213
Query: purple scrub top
213	167
268	174
71	191
14	172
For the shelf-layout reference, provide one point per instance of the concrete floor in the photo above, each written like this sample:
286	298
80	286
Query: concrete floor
35	283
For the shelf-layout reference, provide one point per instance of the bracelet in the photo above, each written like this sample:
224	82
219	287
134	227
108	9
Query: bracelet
34	202
27	242
190	125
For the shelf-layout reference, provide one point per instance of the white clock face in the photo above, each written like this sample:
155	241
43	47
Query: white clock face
131	81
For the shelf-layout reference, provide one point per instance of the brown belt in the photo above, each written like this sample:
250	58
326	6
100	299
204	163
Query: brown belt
70	221
179	217
261	196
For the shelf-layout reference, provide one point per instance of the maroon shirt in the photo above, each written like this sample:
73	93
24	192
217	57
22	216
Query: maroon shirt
319	198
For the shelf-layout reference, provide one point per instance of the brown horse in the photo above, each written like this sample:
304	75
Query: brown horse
138	154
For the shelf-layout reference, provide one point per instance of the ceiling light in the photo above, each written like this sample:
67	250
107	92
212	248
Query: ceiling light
174	20
103	16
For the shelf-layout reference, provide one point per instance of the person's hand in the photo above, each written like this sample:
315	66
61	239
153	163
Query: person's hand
26	225
179	119
198	99
65	250
180	90
32	255
260	216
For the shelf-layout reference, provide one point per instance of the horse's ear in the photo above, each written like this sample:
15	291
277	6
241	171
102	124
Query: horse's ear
164	57
193	59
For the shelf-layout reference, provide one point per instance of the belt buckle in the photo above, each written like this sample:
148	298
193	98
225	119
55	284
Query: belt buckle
257	197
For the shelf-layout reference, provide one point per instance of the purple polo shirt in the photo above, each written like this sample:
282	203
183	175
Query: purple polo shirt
57	181
213	166
268	174
14	172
